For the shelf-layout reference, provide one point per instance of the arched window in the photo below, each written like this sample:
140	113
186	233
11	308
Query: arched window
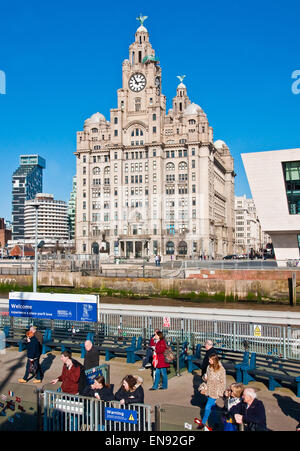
170	248
192	121
170	167
182	166
94	130
106	170
182	248
96	171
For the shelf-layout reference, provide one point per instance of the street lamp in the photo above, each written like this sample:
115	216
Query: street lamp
36	206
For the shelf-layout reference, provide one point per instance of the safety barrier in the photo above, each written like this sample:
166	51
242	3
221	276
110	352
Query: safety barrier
263	332
64	412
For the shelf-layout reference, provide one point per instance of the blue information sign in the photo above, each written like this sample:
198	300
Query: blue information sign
67	307
121	415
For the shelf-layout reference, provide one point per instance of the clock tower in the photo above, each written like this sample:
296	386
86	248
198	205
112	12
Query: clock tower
141	105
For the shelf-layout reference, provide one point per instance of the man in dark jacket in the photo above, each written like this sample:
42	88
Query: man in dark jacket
33	359
91	358
250	412
210	350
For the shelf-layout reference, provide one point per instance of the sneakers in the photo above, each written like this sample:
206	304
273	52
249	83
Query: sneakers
148	365
142	368
22	381
37	381
153	388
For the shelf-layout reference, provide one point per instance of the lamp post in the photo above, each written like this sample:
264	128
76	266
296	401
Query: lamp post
35	272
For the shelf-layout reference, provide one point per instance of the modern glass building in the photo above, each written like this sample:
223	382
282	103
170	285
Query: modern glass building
27	181
274	179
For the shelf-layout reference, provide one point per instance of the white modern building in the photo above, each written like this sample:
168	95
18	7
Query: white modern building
274	179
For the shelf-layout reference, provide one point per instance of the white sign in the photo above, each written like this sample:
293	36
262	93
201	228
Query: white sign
167	321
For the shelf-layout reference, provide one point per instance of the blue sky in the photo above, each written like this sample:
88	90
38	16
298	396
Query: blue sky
63	62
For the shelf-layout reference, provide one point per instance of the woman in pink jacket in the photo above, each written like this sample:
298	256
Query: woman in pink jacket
161	364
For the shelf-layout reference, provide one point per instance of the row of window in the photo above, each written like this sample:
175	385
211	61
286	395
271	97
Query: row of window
138	155
138	167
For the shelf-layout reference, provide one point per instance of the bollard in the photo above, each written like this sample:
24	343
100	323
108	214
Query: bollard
292	289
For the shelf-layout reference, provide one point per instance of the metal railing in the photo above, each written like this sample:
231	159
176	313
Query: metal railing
64	412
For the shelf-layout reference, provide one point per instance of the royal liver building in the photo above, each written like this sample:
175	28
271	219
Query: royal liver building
150	181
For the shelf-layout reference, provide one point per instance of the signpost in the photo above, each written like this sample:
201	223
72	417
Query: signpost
67	307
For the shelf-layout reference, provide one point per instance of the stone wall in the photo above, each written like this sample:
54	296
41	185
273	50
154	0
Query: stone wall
240	284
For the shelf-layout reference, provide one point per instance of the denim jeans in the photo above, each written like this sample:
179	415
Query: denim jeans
210	403
160	372
149	355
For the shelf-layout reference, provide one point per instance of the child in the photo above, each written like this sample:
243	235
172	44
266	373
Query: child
232	397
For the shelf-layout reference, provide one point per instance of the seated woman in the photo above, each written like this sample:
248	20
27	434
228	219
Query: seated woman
131	391
100	390
232	397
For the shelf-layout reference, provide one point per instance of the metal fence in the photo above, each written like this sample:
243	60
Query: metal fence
259	337
64	412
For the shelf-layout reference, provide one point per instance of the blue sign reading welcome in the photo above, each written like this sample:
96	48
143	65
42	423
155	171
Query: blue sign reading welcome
121	415
67	307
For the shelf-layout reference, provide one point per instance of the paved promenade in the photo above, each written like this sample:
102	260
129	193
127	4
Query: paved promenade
282	405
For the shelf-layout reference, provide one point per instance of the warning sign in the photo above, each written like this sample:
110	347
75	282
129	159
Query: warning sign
121	415
257	330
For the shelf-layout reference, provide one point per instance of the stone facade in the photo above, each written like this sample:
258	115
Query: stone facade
150	181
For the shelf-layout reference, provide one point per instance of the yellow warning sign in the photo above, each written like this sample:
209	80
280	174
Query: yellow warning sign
257	330
131	418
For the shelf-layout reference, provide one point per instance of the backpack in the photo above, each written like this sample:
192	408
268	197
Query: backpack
82	381
169	355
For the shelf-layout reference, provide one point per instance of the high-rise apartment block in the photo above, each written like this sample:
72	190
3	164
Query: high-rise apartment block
27	181
151	181
52	218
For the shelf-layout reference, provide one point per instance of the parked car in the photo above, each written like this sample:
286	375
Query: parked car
230	257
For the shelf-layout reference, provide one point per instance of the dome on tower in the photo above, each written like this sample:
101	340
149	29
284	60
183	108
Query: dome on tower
181	86
219	144
193	108
142	28
95	119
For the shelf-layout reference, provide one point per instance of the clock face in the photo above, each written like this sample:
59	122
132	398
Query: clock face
137	82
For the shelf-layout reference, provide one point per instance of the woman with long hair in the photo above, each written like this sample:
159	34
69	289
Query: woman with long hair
161	364
99	390
214	385
131	390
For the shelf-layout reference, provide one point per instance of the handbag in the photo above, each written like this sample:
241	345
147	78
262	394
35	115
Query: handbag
169	355
155	359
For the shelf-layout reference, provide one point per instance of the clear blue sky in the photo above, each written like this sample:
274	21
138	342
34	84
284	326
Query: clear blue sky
63	62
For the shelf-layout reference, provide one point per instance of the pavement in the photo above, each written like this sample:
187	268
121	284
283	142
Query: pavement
179	403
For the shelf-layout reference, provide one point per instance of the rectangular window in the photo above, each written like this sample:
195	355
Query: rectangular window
291	172
154	129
